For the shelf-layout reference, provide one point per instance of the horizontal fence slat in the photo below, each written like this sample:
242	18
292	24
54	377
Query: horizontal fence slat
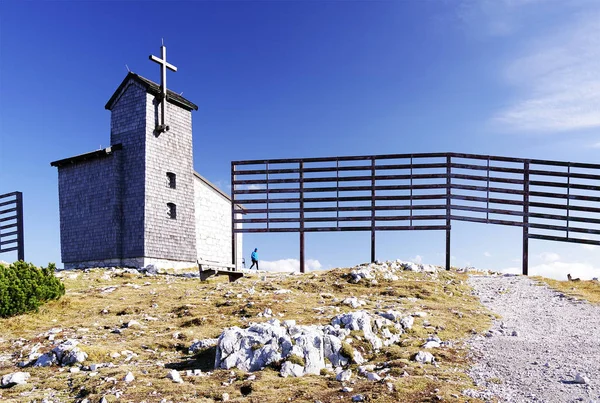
6	203
564	228
8	218
564	196
486	168
564	207
486	200
485	189
5	195
486	221
487	179
2	250
564	239
565	218
10	210
486	210
564	174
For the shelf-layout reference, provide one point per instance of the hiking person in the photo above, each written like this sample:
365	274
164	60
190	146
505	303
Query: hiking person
254	258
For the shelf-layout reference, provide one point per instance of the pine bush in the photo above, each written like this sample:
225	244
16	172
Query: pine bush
25	287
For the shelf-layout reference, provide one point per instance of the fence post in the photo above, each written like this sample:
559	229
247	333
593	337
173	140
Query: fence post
526	218
372	210
20	233
448	172
233	227
301	217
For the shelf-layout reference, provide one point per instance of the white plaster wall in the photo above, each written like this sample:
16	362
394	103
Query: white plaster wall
213	225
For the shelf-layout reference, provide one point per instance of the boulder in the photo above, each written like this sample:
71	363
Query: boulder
291	369
45	360
16	378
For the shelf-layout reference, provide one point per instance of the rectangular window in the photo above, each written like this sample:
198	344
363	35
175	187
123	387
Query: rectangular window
171	180
172	211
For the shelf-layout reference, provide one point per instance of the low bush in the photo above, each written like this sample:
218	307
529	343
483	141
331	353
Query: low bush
25	287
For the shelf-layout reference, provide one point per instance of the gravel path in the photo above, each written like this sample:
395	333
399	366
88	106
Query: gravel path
543	340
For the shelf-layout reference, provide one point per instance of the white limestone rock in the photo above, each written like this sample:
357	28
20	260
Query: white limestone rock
354	302
582	379
282	291
407	322
16	378
45	360
344	376
424	357
432	342
63	348
175	376
290	369
74	356
129	377
359	320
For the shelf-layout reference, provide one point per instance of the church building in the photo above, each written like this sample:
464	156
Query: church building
139	201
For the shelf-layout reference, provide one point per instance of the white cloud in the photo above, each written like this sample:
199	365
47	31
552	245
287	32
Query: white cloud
487	254
556	78
289	265
550	256
559	270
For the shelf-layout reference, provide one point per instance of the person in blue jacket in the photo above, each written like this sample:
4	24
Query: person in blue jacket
254	258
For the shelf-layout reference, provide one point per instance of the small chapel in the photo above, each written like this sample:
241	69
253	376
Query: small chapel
140	201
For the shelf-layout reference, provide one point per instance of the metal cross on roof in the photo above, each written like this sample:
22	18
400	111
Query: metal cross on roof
162	127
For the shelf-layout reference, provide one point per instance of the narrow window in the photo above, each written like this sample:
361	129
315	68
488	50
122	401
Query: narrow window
171	180
172	211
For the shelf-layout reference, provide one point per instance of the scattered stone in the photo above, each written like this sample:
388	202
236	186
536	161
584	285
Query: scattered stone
129	377
282	291
582	379
347	389
354	302
16	378
358	398
225	397
291	369
372	376
432	342
133	324
175	376
424	357
45	360
407	322
344	376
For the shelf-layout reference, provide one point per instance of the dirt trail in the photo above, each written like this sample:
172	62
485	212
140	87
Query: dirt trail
543	340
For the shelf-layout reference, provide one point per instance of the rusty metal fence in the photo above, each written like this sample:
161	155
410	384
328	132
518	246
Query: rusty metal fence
11	224
550	200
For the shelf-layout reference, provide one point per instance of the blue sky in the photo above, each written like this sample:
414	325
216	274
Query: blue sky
278	79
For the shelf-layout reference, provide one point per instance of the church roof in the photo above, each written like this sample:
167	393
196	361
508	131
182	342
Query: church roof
152	88
105	152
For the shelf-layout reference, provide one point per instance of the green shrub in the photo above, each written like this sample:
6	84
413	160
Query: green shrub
24	287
